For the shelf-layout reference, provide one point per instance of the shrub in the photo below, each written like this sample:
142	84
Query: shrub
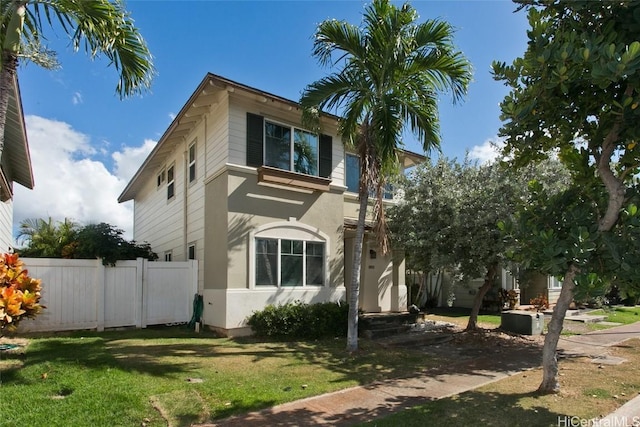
540	303
300	320
19	293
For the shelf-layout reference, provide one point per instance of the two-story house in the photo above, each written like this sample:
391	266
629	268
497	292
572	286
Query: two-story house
15	164
267	207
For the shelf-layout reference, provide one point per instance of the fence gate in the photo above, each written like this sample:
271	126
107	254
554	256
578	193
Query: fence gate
84	294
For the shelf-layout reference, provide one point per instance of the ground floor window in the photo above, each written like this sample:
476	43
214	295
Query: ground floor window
284	262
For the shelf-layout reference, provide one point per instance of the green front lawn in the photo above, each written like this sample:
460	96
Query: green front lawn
460	316
624	315
174	376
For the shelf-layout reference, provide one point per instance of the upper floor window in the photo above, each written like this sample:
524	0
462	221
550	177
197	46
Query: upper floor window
161	178
352	172
286	147
171	187
290	148
192	162
352	177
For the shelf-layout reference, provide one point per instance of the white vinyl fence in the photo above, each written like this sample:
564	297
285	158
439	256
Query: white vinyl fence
84	294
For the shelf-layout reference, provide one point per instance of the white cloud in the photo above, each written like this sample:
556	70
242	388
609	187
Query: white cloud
129	159
488	151
77	98
68	184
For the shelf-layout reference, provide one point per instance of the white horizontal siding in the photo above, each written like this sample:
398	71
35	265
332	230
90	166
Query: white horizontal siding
217	138
6	226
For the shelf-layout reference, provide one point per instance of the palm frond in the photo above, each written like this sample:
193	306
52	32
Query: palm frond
100	27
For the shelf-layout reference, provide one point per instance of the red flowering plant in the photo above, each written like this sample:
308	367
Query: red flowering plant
19	293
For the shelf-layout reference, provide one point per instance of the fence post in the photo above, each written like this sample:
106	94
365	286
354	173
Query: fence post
143	275
139	295
100	280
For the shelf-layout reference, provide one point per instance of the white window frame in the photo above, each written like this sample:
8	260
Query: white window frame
292	142
171	184
160	178
387	194
554	283
288	230
168	256
192	162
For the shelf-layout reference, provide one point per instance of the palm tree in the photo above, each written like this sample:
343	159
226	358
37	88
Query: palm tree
391	71
46	239
100	26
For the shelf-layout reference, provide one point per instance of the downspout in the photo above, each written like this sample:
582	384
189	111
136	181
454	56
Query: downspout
185	162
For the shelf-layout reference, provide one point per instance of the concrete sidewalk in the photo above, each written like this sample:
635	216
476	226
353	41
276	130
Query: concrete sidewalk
365	403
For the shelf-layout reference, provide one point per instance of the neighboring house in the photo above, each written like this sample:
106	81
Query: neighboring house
463	295
15	165
267	207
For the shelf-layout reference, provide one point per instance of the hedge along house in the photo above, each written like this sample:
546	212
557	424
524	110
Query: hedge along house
15	164
265	206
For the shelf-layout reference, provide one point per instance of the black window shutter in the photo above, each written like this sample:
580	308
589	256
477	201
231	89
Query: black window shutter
255	131
325	157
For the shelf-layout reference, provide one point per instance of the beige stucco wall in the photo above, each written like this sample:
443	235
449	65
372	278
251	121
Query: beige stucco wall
251	205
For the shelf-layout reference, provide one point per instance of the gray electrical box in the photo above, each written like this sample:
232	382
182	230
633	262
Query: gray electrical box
522	322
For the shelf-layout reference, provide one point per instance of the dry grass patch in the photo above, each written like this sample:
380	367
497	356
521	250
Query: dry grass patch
588	390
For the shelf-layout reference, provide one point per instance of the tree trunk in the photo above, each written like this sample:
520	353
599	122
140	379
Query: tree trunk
489	278
354	288
614	186
550	382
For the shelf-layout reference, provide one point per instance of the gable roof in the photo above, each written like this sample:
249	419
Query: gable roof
16	160
201	100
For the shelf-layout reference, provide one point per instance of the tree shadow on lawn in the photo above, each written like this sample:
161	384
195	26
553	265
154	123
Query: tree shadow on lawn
469	408
167	352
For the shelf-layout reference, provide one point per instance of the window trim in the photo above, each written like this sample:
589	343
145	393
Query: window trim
160	178
255	145
288	230
292	143
191	163
171	185
389	190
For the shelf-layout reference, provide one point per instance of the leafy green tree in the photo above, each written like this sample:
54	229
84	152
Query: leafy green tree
45	239
105	241
576	92
449	218
391	69
100	26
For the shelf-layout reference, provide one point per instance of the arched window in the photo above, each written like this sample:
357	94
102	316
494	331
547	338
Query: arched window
288	254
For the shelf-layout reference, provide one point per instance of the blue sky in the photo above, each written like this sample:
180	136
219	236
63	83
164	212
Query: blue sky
86	142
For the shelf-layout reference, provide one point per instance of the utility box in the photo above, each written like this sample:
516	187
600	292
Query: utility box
522	322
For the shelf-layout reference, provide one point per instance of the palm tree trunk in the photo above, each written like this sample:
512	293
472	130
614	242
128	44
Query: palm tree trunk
550	382
354	288
489	278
